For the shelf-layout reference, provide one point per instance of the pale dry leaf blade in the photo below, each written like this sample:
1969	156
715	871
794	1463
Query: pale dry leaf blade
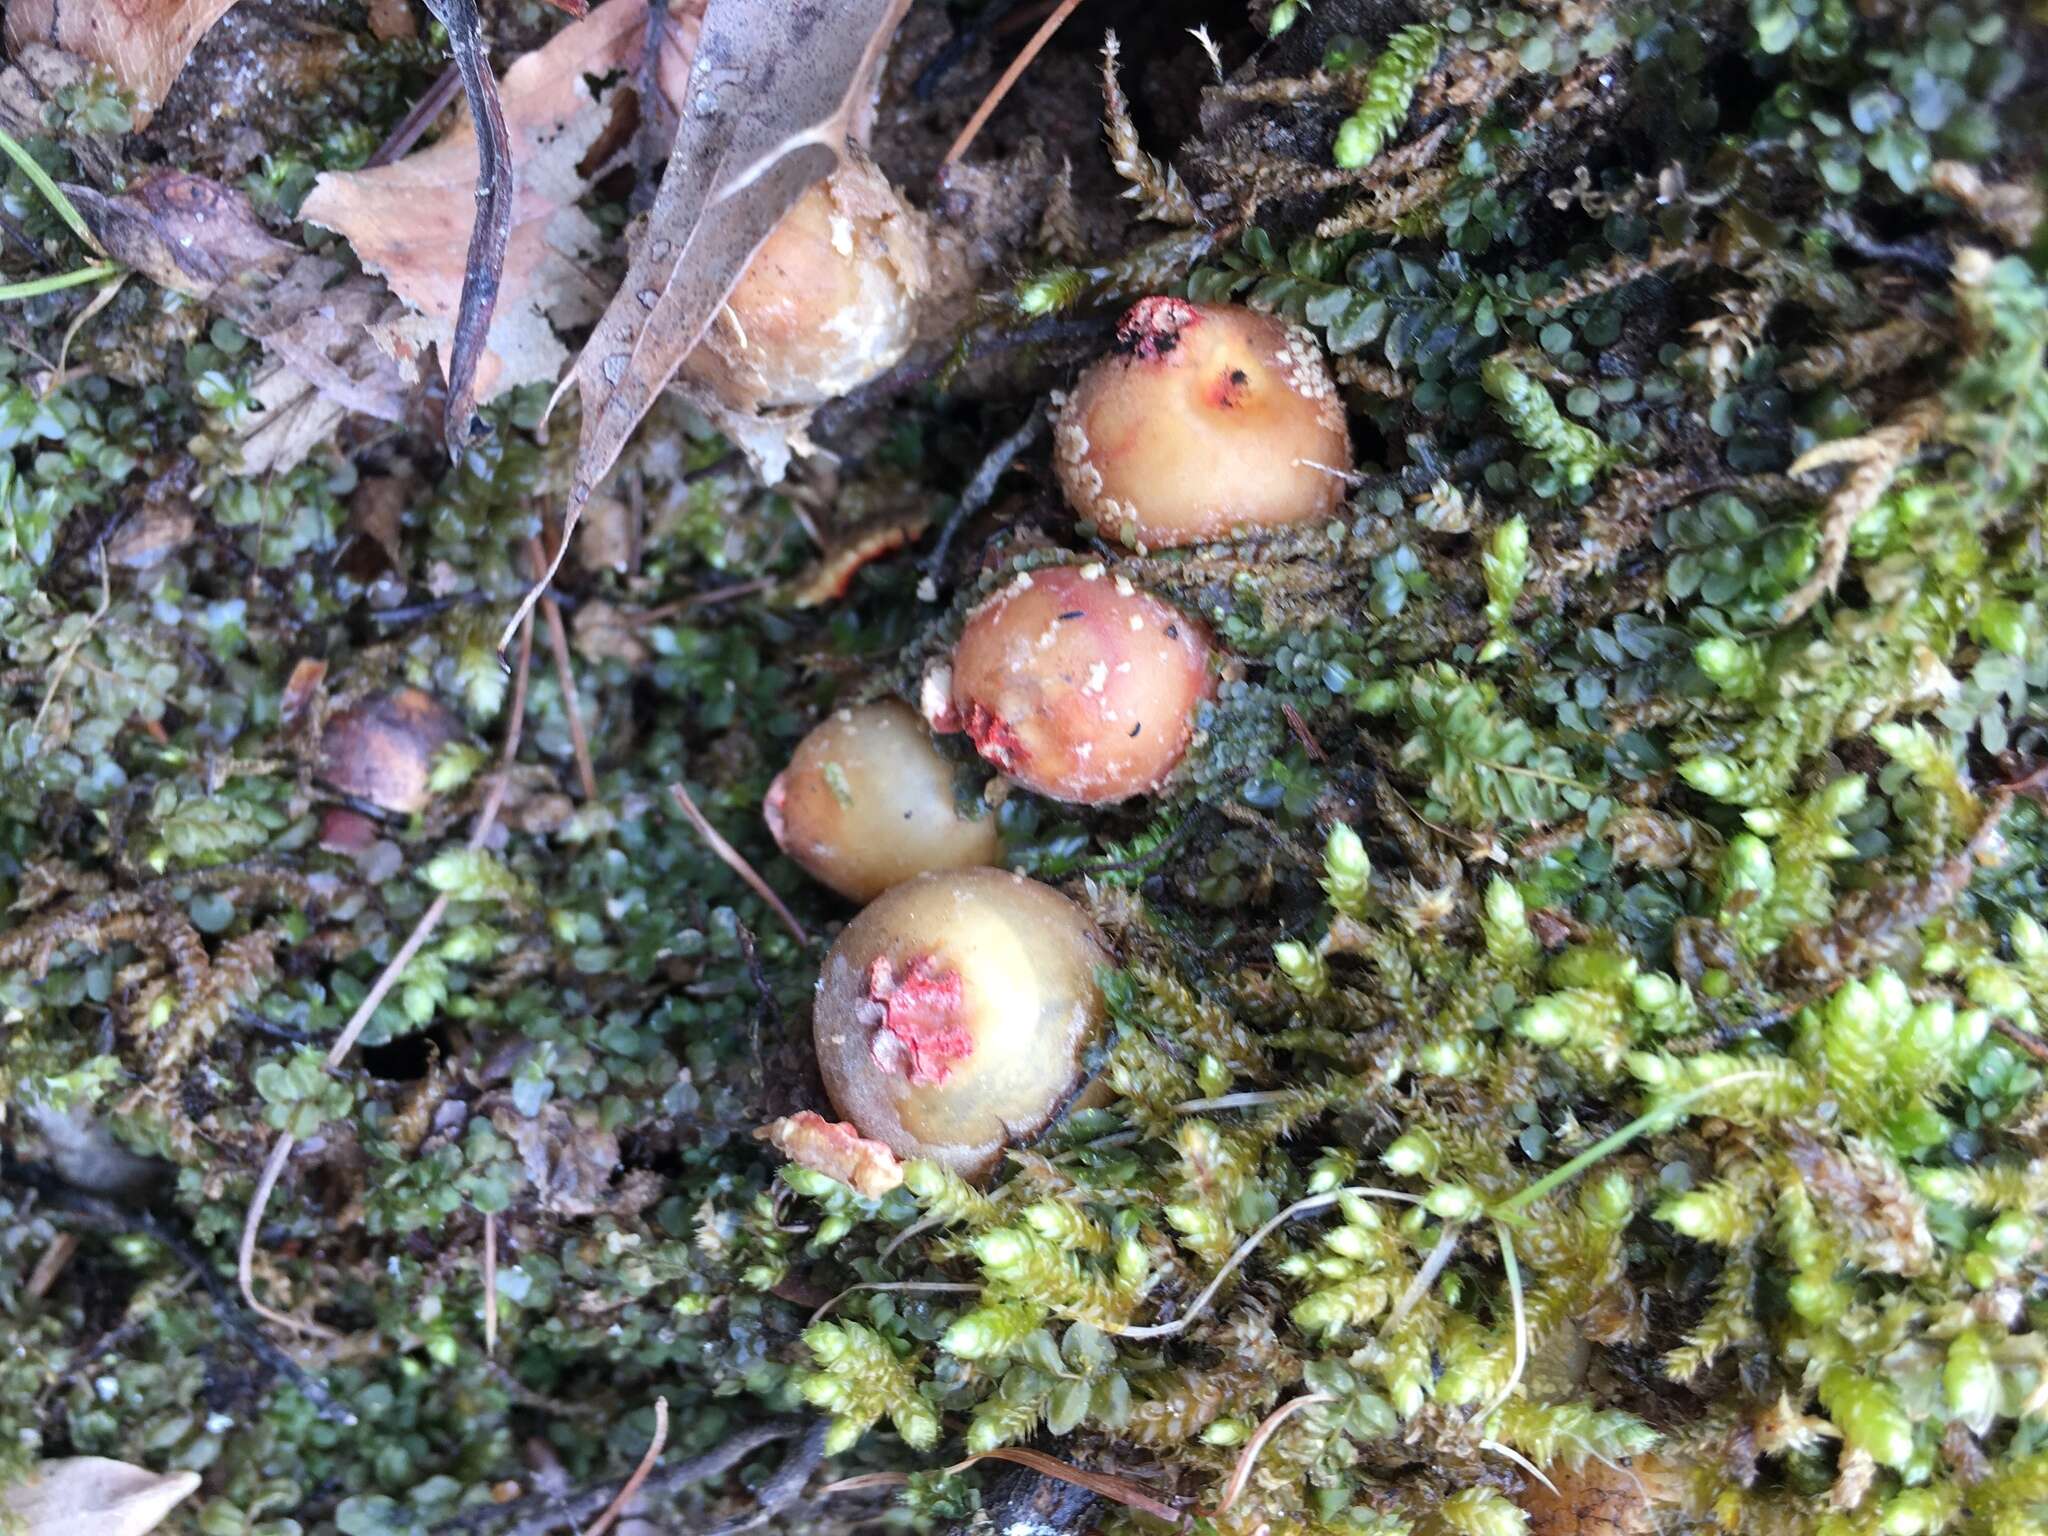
94	1496
776	90
409	221
199	238
142	43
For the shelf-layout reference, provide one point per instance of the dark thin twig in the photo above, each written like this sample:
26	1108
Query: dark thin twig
543	1513
485	267
2032	1045
1922	255
273	1030
418	120
964	42
12	227
669	610
919	370
426	608
103	1214
565	674
784	1488
981	490
657	129
766	1009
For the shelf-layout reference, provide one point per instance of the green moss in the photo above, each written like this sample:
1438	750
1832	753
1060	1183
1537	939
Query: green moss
1577	1004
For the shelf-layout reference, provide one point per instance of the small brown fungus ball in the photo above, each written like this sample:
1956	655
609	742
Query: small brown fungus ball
826	304
1208	420
382	748
868	801
954	1014
1078	685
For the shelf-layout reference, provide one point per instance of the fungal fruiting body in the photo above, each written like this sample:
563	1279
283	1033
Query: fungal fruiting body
1206	421
954	1014
836	1149
382	749
826	304
1078	685
868	801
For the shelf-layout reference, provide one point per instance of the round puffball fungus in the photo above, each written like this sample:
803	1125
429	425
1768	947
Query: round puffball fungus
827	303
1206	421
867	802
954	1014
382	748
1078	685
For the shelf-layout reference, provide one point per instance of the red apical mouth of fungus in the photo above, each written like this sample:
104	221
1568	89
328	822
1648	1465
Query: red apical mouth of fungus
993	738
1151	327
920	1034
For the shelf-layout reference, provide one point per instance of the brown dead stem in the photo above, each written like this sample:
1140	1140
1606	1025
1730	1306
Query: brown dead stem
617	1507
1875	458
1005	81
565	674
418	120
1248	1458
737	862
484	270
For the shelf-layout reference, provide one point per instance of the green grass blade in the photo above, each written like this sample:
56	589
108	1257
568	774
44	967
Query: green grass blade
98	272
52	193
1664	1115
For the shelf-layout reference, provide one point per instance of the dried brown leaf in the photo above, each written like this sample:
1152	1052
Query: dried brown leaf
199	238
142	43
776	94
1597	1498
571	1165
410	222
93	1496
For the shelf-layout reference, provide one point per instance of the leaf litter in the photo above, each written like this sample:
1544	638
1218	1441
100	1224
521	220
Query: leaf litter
409	222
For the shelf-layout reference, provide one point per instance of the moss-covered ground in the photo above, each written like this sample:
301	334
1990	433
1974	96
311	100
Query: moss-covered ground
1605	908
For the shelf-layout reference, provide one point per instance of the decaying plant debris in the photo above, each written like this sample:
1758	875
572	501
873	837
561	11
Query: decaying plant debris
1576	1058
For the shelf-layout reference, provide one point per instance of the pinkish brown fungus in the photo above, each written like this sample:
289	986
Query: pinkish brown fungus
1208	420
382	748
827	303
1078	685
868	801
955	1012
